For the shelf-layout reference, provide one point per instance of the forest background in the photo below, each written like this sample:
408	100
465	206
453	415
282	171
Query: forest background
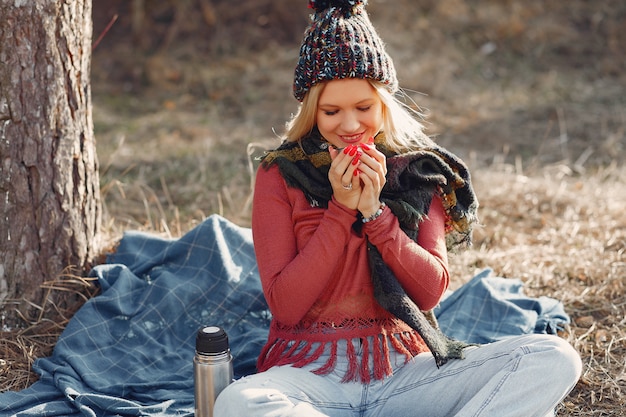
530	93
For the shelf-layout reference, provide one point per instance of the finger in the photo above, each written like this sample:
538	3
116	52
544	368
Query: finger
333	152
373	164
368	176
340	164
375	175
345	182
373	152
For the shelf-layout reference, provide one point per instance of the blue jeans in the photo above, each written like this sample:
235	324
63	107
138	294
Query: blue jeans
524	376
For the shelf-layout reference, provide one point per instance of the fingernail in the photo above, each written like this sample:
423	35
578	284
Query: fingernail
371	140
347	149
365	146
353	150
357	172
355	161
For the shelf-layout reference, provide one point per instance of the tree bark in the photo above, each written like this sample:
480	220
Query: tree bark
49	186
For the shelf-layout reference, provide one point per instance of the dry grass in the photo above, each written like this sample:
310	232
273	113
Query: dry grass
565	236
20	347
540	120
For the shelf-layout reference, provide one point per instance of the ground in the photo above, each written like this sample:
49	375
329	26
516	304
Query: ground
531	94
527	83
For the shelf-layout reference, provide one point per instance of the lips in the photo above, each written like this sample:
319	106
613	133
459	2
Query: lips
351	138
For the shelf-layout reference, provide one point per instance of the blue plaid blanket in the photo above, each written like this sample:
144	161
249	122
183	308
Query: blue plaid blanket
128	351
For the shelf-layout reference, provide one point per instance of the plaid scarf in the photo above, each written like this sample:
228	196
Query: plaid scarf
413	178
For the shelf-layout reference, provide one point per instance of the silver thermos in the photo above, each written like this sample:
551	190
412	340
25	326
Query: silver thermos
212	368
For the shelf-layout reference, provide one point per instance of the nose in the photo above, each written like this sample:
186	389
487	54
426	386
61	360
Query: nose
350	122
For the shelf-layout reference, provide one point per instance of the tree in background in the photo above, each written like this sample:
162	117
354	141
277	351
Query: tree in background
49	185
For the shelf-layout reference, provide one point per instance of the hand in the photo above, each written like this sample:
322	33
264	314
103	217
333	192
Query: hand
357	175
372	168
344	176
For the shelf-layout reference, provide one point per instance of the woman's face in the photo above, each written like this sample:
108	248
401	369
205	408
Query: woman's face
349	111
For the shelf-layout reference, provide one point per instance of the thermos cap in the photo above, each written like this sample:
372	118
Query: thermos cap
211	340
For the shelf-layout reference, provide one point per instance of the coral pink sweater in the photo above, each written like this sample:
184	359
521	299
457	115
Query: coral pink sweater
316	278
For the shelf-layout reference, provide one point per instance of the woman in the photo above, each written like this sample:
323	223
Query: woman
352	218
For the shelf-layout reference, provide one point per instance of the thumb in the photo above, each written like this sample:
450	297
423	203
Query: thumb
333	152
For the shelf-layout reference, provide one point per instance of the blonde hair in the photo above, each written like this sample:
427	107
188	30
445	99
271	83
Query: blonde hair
403	131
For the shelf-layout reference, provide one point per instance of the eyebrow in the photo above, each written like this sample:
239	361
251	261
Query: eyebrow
364	101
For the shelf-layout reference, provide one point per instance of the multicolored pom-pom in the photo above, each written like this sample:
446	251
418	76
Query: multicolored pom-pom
321	5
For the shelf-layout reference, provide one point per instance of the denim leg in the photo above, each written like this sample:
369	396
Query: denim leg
524	376
289	392
519	377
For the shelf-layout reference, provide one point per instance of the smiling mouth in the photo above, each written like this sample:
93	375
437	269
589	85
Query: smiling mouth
351	138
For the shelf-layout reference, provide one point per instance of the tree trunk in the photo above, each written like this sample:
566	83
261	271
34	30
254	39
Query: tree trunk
49	185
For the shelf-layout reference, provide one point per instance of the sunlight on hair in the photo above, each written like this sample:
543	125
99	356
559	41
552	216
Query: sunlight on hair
401	121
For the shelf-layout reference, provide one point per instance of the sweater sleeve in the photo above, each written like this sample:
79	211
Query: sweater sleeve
422	267
295	270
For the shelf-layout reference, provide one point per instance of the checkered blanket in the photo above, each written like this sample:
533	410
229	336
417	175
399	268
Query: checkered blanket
129	350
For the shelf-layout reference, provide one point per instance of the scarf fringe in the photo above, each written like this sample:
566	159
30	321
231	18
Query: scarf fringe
381	357
330	364
399	347
365	359
352	373
315	356
360	368
411	341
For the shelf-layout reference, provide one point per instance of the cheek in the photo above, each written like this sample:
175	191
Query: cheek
326	125
374	121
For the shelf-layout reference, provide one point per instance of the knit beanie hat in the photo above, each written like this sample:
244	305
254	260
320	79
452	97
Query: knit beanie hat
341	43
